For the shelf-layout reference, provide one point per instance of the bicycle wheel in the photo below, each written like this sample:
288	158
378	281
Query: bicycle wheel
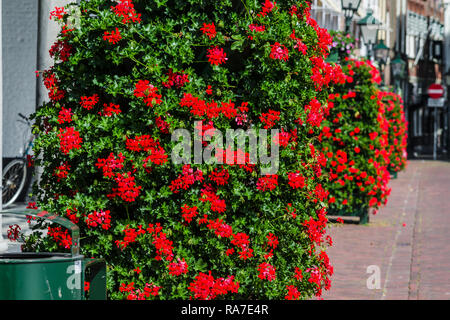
13	181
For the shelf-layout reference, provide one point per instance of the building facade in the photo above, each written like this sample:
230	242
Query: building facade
417	31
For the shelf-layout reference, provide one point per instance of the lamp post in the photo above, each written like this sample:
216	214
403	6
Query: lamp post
382	55
398	70
349	7
369	30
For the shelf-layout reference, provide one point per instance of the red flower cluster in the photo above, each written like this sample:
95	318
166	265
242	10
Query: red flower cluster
99	218
127	189
267	183
178	268
130	236
293	293
266	271
220	228
71	213
125	9
62	171
142	143
13	232
208	194
110	109
296	180
269	119
186	179
162	244
216	56
69	139
61	49
299	45
144	89
113	36
32	205
177	79
162	125
316	228
241	240
62	238
209	30
267	7
205	287
256	28
279	51
136	294
188	213
211	109
158	156
315	113
398	126
220	177
110	164
323	73
52	85
58	13
65	115
89	102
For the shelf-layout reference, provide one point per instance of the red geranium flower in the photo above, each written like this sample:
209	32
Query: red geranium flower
216	56
209	30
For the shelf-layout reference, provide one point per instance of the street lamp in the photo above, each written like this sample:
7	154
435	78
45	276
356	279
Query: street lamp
349	7
381	51
447	77
381	55
398	70
369	29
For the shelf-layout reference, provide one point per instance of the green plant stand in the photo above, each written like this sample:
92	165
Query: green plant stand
51	276
362	213
393	174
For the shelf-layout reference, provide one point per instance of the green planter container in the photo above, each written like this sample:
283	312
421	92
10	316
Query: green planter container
362	213
51	276
393	174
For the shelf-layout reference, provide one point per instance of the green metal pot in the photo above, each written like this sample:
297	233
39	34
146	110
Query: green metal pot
51	276
393	174
362	213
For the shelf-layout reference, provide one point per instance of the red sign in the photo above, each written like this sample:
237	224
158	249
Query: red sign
436	91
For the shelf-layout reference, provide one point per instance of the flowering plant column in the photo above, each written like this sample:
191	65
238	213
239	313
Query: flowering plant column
131	74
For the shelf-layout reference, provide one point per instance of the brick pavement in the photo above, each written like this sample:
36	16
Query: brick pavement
408	241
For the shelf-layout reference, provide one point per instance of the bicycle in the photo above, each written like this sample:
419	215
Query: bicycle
16	176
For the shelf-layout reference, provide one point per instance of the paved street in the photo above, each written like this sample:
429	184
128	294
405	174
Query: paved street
408	241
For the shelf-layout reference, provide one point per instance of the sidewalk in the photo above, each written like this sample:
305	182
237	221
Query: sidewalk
408	240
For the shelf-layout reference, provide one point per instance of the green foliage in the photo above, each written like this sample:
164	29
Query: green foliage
398	131
119	213
356	141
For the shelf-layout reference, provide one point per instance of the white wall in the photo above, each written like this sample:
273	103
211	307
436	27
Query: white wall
19	36
48	31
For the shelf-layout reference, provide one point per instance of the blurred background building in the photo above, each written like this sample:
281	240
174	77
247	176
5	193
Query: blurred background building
417	36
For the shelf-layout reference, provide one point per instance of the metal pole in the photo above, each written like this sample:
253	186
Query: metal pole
348	21
435	135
